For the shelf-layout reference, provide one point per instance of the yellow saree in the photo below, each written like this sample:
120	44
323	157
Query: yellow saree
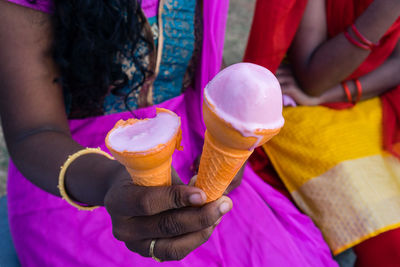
334	166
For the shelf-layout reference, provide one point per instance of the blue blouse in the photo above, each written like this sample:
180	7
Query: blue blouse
178	20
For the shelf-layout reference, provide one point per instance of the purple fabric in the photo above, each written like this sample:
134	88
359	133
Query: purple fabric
41	5
263	229
149	7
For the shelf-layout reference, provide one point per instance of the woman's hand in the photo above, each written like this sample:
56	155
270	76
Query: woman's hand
171	215
291	88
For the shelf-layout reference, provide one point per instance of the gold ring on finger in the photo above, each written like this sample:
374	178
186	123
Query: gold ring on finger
151	250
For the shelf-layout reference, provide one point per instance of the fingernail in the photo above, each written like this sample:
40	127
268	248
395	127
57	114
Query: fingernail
196	199
224	207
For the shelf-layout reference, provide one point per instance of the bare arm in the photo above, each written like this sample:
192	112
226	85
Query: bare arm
38	138
33	112
374	83
321	64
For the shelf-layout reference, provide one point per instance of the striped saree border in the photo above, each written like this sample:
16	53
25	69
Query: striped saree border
355	200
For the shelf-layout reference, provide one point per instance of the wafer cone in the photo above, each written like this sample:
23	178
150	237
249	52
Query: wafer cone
224	153
151	167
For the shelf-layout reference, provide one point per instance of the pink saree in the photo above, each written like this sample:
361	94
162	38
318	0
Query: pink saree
263	229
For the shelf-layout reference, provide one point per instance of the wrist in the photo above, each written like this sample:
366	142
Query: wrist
90	177
318	100
114	174
335	94
353	90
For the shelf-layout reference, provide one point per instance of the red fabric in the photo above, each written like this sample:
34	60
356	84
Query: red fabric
391	121
274	25
340	15
382	250
260	164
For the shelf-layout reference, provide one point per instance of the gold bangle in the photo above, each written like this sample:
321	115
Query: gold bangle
64	167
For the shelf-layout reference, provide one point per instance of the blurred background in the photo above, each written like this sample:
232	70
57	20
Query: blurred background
238	26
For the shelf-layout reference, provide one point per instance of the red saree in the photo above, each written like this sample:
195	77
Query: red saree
340	15
275	24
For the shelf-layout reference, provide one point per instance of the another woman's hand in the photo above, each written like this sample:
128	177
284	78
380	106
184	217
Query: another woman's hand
237	180
291	88
173	216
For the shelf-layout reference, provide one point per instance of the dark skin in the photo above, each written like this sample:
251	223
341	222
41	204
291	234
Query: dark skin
320	65
38	138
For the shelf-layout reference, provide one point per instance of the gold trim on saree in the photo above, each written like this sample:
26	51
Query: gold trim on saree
334	166
353	201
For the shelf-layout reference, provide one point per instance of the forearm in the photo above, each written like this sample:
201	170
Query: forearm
39	157
334	60
373	84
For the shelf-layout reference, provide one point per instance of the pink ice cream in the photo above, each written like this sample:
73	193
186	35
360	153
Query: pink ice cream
247	96
146	134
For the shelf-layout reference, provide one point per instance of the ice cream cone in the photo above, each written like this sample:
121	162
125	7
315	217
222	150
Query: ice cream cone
151	167
224	153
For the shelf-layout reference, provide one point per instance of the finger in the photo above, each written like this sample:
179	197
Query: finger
183	221
177	248
283	71
287	89
283	74
127	199
141	247
285	79
173	249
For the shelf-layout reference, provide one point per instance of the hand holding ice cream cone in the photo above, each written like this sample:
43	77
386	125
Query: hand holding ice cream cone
242	110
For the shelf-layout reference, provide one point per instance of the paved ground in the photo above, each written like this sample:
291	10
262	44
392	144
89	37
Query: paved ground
238	26
239	21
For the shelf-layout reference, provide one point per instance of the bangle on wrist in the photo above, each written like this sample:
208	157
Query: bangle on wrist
64	167
355	42
359	89
363	39
347	92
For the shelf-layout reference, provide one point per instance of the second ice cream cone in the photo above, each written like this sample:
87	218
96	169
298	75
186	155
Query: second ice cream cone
218	166
242	109
225	151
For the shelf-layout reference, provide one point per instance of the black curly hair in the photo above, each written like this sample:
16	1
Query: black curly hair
88	35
